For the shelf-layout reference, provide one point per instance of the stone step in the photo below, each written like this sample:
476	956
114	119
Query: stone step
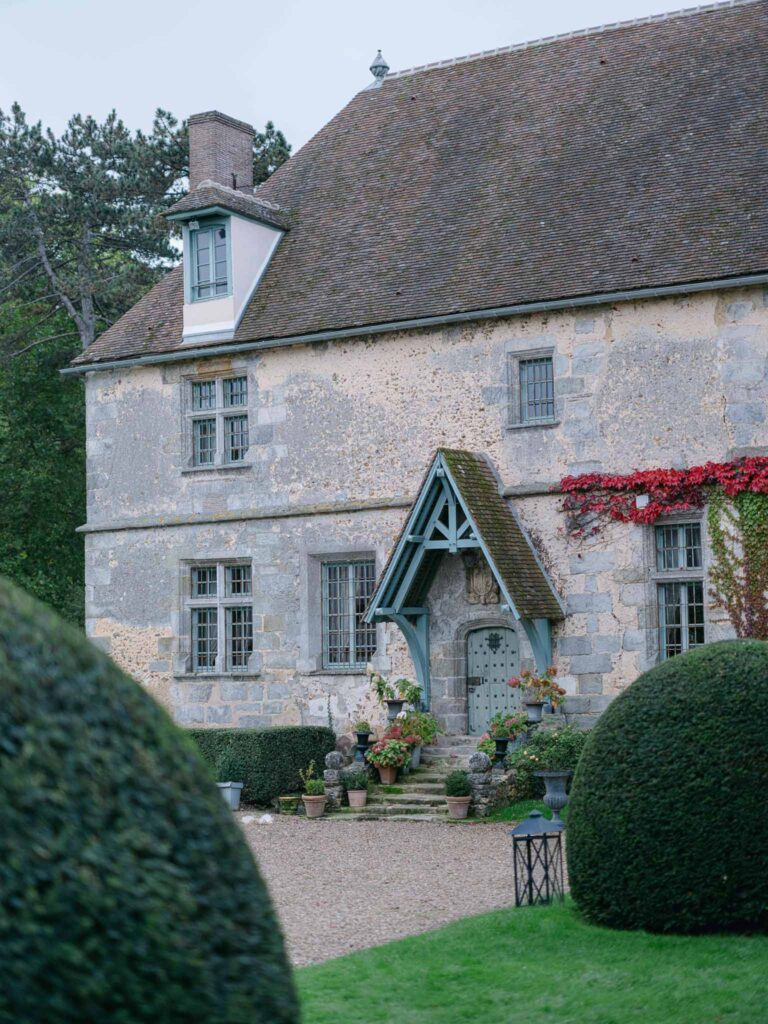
409	797
424	787
452	741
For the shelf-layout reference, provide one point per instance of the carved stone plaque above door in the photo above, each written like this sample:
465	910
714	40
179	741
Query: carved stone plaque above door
481	587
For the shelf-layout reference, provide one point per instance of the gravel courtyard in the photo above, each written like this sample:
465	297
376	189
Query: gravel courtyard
344	885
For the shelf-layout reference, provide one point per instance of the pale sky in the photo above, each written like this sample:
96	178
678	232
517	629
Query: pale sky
296	62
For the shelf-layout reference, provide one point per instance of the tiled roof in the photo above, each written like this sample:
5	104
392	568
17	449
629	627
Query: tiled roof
599	162
210	193
509	548
498	528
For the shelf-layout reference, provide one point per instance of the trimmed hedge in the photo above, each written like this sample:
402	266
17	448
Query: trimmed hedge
666	824
267	760
127	892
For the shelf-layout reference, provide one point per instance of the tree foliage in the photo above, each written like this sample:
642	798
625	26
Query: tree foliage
81	239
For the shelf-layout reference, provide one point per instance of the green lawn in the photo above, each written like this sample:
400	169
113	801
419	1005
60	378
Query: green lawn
521	809
538	965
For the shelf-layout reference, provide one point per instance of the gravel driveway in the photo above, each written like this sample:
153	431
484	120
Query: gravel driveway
344	885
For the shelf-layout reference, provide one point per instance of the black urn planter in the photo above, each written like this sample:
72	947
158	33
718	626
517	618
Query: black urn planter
363	744
502	742
555	797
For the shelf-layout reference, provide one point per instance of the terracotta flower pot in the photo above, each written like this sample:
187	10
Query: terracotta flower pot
387	775
357	797
458	806
314	806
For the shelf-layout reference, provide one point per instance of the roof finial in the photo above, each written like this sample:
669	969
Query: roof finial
379	68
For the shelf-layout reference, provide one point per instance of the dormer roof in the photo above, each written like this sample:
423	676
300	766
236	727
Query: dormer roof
602	165
211	197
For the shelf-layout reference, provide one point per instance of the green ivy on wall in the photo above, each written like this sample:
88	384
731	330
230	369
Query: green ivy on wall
738	533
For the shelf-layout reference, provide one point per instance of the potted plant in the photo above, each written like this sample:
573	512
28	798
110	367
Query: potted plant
288	804
423	728
356	785
536	691
403	692
227	770
314	792
503	727
387	756
458	794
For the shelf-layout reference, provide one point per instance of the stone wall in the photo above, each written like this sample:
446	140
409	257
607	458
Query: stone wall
341	434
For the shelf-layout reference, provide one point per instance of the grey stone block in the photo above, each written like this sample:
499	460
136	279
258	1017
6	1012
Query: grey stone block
219	716
186	691
592	561
584	325
634	639
249	706
590	663
158	666
262	433
574	645
633	595
104	643
253	721
234	691
273	623
190	714
746	412
738	310
278	691
576	603
590	682
607	644
273	707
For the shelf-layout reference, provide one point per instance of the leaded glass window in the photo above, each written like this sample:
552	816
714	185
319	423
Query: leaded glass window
348	641
221	617
680	599
218	439
209	262
537	390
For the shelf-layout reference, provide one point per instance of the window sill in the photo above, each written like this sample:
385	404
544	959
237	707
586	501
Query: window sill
338	670
212	677
226	467
533	426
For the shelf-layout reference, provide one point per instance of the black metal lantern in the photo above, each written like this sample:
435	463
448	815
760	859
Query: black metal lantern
538	860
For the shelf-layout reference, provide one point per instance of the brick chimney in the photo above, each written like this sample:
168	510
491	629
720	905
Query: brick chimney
220	149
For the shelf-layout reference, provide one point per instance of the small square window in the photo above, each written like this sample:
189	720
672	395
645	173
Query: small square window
537	390
204	394
678	547
236	391
235	438
238	580
204	442
204	581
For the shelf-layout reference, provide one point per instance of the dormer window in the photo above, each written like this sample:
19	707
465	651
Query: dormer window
209	260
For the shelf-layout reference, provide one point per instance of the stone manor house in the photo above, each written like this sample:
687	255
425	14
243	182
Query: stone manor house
332	437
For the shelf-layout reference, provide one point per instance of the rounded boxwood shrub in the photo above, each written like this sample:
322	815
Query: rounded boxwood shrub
666	824
127	892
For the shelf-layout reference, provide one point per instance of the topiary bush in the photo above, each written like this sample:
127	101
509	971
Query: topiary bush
666	823
267	761
546	750
127	892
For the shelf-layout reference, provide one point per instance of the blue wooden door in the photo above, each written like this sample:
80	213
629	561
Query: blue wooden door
493	655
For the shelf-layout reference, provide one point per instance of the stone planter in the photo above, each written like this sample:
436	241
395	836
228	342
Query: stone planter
535	709
314	806
416	757
458	806
555	797
357	797
288	804
394	707
387	774
231	793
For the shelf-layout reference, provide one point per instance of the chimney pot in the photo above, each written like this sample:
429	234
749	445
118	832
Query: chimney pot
220	150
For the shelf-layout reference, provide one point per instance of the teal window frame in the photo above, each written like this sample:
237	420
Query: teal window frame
347	587
193	233
680	587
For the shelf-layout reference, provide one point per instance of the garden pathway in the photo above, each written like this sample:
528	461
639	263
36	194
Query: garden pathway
345	885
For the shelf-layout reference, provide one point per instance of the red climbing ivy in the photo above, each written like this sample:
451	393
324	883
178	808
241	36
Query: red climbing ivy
594	499
736	494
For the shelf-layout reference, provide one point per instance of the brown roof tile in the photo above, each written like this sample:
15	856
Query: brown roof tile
210	193
611	160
